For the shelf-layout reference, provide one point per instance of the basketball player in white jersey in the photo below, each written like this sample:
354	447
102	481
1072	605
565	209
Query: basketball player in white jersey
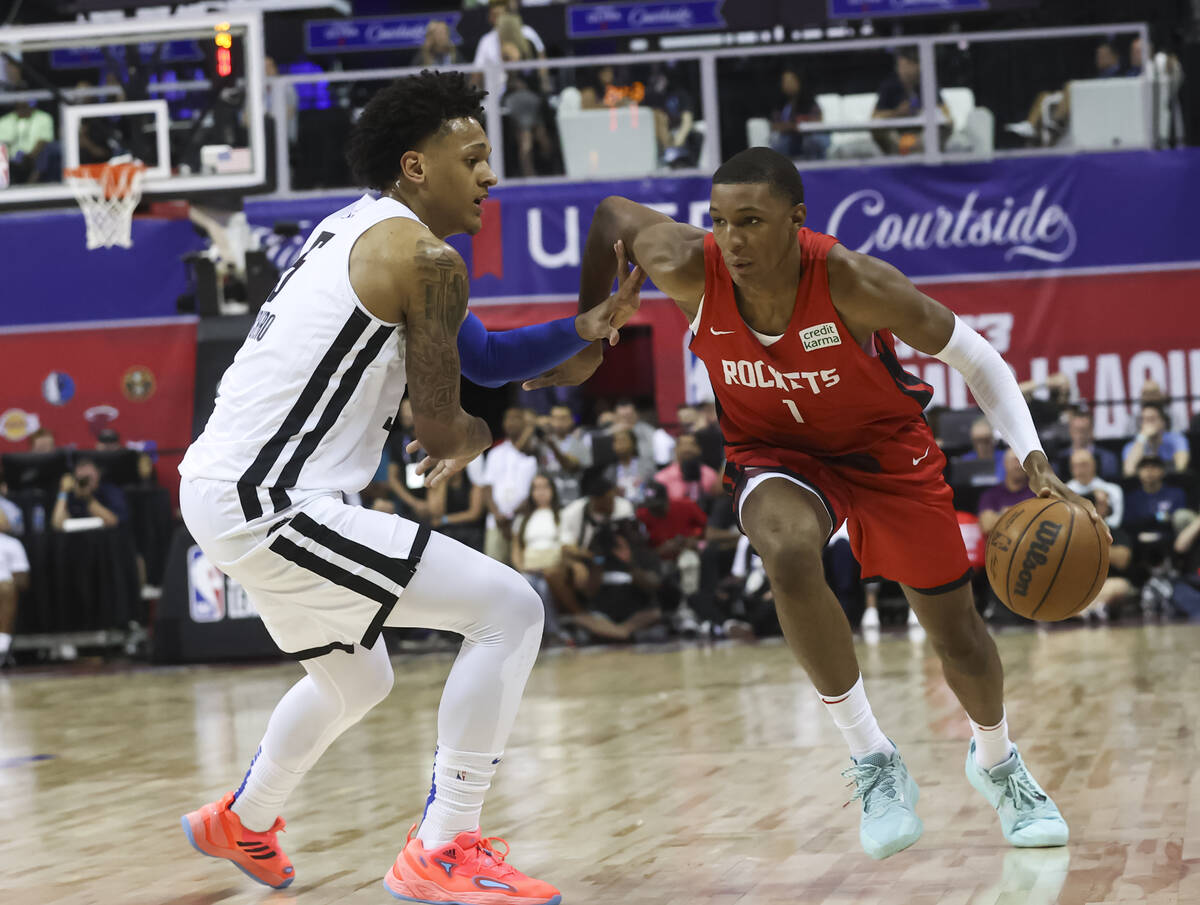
301	417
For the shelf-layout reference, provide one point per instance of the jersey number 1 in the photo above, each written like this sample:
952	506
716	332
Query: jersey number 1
795	411
291	271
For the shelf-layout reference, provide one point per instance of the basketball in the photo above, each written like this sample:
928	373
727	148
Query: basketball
1046	559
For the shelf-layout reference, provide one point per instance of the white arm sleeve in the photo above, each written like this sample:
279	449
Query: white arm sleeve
994	387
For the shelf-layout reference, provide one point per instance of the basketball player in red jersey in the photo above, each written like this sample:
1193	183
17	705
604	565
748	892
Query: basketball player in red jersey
822	424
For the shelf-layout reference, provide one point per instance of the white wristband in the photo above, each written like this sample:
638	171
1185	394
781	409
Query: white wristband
994	387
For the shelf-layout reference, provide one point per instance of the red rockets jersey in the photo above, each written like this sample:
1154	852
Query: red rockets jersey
815	390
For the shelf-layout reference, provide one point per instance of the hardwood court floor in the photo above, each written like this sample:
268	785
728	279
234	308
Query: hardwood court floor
635	777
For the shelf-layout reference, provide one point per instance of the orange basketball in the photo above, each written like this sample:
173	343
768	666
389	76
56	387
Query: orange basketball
1046	559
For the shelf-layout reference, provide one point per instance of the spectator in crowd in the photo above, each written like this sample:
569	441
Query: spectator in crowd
1084	480
799	106
456	508
14	568
688	478
900	96
623	582
1118	585
42	441
522	100
600	89
82	494
674	119
995	501
599	506
508	473
405	486
1051	110
1154	439
537	546
33	154
983	447
564	451
708	435
688	419
1156	505
438	50
1137	58
630	471
489	51
625	417
675	531
1080	425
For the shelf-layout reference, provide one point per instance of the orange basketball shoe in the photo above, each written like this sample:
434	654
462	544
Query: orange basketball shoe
467	871
216	831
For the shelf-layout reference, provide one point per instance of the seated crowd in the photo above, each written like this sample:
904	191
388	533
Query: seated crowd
627	533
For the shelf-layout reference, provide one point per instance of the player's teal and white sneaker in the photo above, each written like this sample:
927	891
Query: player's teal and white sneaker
889	798
1028	816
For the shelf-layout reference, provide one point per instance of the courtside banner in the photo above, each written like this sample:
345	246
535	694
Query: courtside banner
1022	216
135	378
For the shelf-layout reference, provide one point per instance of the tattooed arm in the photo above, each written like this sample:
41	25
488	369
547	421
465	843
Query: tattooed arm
402	273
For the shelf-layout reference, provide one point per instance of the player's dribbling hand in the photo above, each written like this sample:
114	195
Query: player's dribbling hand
436	471
603	321
1046	484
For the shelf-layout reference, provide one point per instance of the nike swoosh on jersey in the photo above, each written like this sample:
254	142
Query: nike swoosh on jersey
923	455
716	332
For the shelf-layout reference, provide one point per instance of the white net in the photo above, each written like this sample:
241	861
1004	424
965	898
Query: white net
107	194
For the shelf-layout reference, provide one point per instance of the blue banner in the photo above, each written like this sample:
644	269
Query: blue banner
1002	217
375	33
852	9
1110	211
87	57
603	20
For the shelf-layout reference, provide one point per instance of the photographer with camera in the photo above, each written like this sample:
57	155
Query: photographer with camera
688	478
83	494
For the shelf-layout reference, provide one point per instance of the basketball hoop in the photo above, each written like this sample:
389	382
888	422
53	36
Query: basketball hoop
107	193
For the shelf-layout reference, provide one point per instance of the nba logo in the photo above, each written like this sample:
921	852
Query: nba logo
206	588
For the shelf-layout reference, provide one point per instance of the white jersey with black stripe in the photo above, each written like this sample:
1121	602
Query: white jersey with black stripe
309	399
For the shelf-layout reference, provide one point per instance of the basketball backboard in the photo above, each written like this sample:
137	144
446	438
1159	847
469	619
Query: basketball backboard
183	94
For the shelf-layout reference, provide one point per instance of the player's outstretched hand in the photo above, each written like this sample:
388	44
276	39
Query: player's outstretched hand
1046	484
603	321
436	470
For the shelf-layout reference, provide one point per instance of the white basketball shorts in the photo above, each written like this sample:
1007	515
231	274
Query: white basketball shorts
323	575
12	555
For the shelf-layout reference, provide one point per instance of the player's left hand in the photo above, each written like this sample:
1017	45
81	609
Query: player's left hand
603	321
436	471
1045	483
572	372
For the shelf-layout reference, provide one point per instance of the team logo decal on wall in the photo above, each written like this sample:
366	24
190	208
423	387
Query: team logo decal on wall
58	388
17	424
138	384
99	417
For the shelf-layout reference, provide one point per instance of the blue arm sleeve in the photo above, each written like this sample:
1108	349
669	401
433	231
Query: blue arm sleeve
494	359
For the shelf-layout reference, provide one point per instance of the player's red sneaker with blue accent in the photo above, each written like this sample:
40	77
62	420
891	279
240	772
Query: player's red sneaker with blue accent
216	831
467	871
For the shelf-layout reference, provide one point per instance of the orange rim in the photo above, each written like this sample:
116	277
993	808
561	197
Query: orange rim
117	179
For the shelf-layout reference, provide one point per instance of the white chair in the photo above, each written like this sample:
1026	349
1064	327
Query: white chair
758	132
1109	113
853	108
606	142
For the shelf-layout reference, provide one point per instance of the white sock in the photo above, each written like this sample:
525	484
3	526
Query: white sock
262	793
5	642
992	746
852	714
460	780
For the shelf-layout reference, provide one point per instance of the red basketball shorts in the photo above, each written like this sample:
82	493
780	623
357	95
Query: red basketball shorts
898	508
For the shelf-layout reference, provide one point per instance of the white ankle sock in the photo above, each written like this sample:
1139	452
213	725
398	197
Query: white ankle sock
262	793
5	642
460	780
852	714
992	746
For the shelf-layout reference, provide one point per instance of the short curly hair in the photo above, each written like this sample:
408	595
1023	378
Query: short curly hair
402	115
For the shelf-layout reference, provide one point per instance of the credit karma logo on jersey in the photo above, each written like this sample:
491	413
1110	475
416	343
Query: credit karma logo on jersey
213	596
1028	229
